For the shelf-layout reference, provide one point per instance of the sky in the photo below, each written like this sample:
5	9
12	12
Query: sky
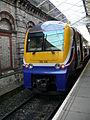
74	11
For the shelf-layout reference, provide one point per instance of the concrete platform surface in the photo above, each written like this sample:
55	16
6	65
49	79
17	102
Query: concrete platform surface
76	106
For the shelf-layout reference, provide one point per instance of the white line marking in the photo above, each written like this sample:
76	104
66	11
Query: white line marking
57	115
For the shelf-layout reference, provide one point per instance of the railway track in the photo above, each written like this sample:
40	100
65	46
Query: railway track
13	102
35	107
16	108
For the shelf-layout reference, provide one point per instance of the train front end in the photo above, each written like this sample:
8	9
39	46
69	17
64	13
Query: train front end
45	56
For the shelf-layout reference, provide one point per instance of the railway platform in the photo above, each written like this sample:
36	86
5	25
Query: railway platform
76	106
10	87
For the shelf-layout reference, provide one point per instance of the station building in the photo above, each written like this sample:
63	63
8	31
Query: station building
16	16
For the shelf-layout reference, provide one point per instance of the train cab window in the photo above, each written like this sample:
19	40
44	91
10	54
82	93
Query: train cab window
34	42
45	41
54	40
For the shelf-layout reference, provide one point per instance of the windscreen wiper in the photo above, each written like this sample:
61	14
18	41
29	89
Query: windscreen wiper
33	52
53	52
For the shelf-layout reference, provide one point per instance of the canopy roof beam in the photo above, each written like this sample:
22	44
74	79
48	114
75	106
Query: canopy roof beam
85	7
41	3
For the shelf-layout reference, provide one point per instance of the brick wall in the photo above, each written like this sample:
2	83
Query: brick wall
18	16
15	17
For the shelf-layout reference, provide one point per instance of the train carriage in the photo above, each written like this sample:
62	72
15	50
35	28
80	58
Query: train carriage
52	51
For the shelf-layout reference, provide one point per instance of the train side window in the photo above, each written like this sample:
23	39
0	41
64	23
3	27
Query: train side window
84	49
78	48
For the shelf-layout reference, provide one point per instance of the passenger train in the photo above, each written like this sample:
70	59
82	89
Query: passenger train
53	50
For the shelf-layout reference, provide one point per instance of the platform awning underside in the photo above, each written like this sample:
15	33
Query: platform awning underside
75	12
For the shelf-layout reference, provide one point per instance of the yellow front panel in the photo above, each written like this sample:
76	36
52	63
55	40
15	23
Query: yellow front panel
48	57
67	40
44	57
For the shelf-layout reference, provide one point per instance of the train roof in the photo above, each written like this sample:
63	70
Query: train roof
48	26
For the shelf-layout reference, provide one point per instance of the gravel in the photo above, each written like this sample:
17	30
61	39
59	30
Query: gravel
11	103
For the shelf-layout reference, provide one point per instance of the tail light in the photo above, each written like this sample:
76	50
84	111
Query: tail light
62	66
26	65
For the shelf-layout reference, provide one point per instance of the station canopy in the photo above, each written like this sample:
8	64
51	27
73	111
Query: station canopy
74	12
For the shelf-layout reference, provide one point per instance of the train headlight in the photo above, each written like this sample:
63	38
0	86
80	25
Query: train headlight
57	66
30	66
